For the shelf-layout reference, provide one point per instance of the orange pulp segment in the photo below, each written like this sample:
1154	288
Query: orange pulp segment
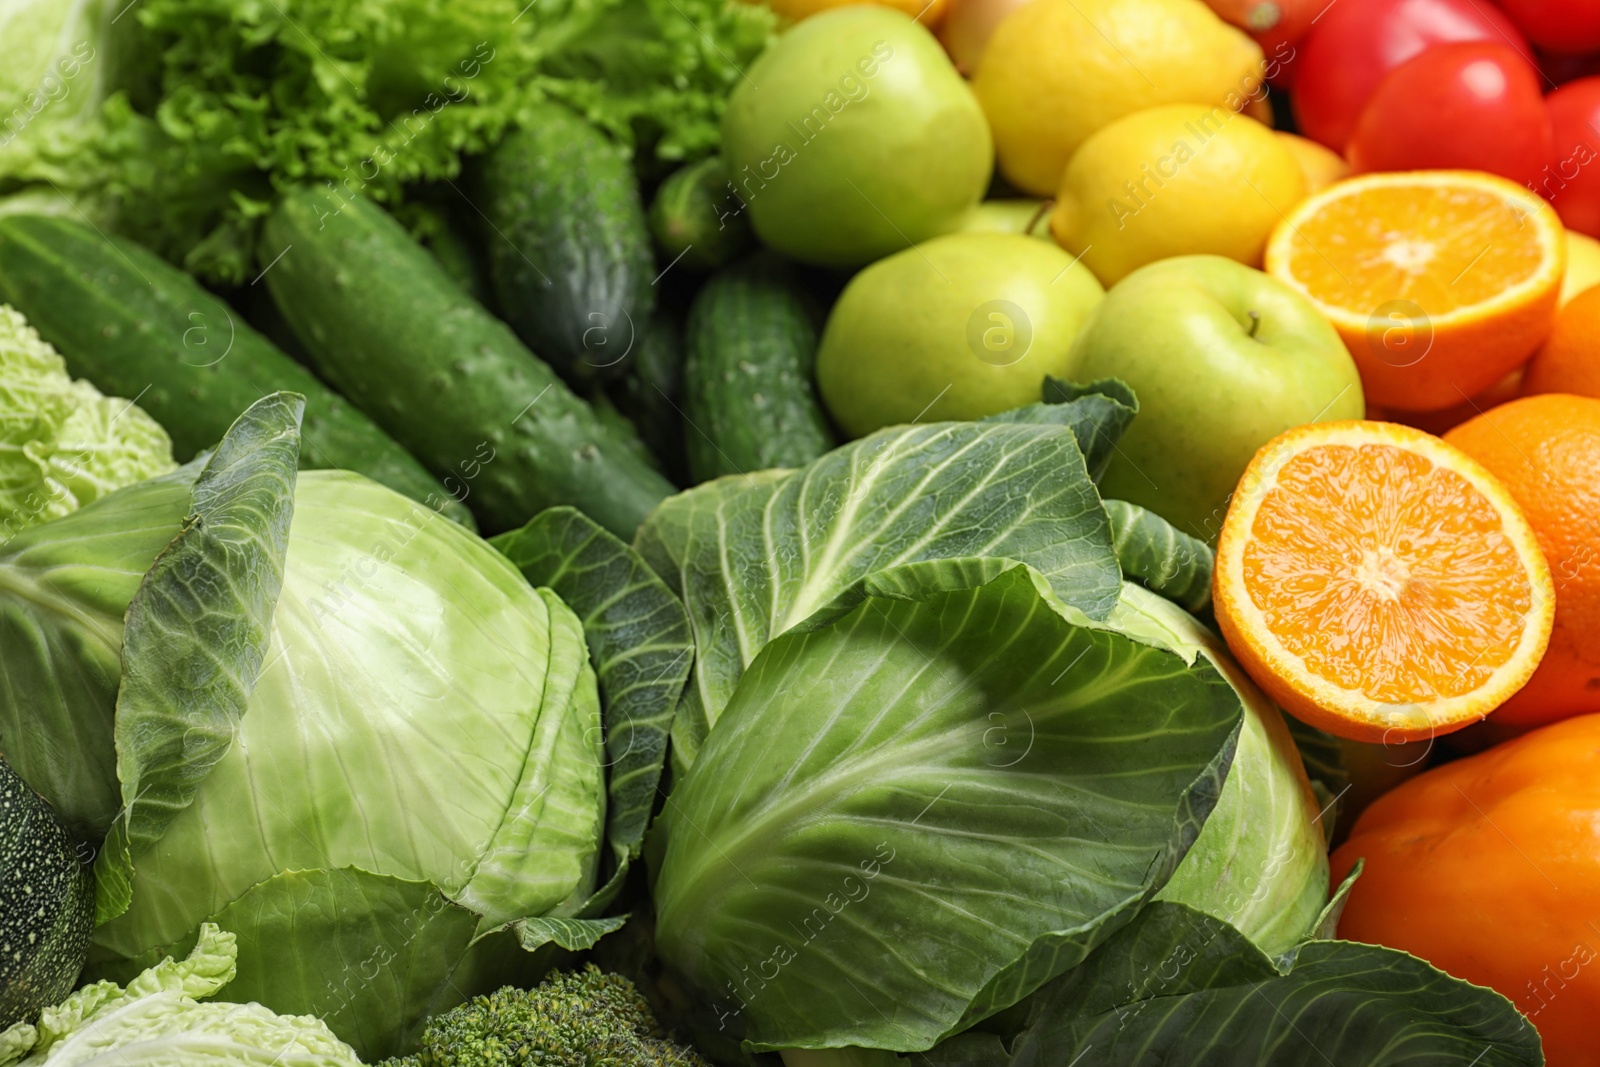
1380	584
1440	282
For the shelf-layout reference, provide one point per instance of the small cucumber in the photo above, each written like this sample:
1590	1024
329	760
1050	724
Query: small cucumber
568	246
383	321
696	219
748	393
135	326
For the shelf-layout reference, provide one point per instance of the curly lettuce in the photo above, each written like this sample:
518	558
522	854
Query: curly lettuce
235	100
63	444
158	1019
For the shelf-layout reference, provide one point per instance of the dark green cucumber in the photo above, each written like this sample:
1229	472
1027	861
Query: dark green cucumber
748	393
46	903
443	235
650	394
138	327
569	249
384	323
697	220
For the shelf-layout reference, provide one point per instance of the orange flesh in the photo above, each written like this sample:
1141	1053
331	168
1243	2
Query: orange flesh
1441	248
1383	572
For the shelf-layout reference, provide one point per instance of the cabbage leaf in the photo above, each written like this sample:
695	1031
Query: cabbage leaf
638	638
196	633
753	556
1177	986
951	752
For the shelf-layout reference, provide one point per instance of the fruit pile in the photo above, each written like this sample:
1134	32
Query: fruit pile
1080	190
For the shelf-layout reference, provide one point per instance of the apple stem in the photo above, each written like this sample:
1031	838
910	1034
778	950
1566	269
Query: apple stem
1255	322
1044	209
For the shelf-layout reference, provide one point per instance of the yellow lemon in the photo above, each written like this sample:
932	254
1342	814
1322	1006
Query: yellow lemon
1322	166
1056	71
1174	181
1583	265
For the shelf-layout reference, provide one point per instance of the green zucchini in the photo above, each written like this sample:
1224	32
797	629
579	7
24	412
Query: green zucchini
138	327
385	323
748	393
569	249
46	903
696	220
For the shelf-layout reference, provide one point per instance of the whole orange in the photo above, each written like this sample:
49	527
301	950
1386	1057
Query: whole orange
1569	362
1489	868
1546	451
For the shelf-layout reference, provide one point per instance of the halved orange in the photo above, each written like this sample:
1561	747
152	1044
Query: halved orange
1380	584
1440	282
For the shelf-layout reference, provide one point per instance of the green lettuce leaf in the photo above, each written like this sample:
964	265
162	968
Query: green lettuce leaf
913	815
196	635
753	556
62	444
235	100
53	74
157	1019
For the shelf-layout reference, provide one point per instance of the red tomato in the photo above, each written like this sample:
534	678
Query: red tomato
1571	179
1470	105
1356	42
1569	26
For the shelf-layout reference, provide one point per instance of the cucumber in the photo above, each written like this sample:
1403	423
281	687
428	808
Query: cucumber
385	323
568	246
696	220
442	234
46	904
137	327
650	392
748	394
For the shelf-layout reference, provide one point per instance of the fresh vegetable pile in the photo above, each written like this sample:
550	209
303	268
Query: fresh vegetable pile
688	532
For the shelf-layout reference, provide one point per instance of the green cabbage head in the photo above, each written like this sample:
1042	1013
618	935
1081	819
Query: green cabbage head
1260	863
415	785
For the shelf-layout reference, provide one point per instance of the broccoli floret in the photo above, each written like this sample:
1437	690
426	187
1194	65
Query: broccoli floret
573	1019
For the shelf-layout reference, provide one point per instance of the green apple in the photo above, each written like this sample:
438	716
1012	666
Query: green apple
853	136
959	327
1223	359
